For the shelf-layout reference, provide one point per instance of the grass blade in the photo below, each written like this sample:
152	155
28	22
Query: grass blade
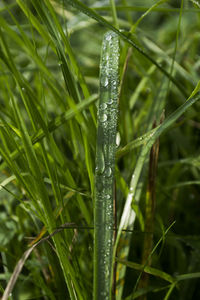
105	166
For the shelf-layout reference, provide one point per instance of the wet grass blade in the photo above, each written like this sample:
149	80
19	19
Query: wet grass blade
105	167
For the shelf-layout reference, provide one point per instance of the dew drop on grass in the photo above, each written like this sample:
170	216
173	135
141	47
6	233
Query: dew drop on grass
151	134
107	122
101	163
108	172
118	139
103	118
103	106
108	38
110	101
104	81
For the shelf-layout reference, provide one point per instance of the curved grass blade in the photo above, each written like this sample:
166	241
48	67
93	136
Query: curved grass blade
105	167
188	276
125	8
145	138
133	28
147	269
92	14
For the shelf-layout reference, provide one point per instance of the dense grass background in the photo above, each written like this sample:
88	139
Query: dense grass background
49	90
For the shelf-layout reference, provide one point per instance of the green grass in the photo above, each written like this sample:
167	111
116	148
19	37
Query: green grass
105	166
67	230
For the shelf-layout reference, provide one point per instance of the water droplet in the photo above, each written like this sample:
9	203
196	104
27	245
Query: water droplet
108	38
131	189
107	197
60	63
118	139
151	134
103	106
108	172
105	81
110	101
103	118
103	294
101	163
23	88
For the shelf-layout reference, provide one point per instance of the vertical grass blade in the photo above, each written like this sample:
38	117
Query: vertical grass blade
105	165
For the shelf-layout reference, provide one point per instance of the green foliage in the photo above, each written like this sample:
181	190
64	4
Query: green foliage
49	86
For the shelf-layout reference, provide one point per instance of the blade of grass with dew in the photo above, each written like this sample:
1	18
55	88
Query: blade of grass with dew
105	167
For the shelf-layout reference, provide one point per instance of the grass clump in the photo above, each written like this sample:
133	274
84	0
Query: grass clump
60	235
